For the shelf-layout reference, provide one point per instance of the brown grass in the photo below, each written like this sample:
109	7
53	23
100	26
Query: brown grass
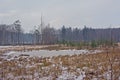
96	65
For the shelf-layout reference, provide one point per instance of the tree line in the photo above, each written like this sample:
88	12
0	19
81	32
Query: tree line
14	34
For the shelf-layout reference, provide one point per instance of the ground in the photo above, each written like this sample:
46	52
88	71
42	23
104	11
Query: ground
97	66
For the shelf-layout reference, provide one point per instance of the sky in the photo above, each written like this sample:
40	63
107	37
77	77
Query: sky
71	13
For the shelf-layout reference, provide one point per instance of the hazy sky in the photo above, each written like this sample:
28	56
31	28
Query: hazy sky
75	13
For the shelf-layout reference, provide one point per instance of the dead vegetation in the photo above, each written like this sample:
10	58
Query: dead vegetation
23	48
101	66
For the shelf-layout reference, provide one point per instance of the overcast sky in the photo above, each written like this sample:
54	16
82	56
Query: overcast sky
74	13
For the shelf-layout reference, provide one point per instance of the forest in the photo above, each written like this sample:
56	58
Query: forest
13	34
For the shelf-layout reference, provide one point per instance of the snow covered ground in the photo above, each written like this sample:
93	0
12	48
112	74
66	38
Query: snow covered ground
59	65
5	46
48	53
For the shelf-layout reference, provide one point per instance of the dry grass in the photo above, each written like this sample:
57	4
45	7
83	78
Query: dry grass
22	48
94	66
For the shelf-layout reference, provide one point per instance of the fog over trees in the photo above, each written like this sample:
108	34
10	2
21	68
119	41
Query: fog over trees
13	34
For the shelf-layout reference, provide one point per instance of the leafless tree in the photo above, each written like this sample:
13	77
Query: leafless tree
18	29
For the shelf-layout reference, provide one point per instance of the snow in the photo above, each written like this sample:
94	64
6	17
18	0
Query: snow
10	53
10	75
5	46
71	76
81	77
64	75
107	75
45	78
46	53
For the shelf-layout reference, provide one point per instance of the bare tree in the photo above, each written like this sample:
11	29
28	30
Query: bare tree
49	35
37	37
18	29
